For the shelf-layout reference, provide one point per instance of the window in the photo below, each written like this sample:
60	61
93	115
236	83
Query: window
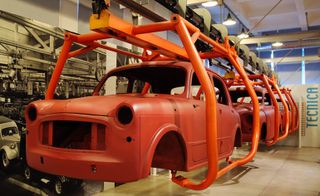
121	85
267	99
195	87
9	131
241	95
163	80
219	89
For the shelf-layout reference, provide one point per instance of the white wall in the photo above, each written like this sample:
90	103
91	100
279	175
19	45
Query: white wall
72	15
40	10
310	96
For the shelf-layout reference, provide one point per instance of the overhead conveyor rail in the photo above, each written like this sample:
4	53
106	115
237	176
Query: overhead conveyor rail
105	25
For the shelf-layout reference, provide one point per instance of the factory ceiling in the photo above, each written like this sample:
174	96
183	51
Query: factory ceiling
289	14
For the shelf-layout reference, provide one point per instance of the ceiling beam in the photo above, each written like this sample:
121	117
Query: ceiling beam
290	45
192	2
301	15
37	38
136	7
288	60
243	1
282	37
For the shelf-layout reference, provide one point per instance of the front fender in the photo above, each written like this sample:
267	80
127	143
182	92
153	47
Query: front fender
153	144
11	153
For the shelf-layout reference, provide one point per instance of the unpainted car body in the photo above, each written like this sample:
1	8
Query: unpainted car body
125	134
242	103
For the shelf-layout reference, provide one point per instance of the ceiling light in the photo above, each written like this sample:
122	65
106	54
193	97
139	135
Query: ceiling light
229	20
277	44
243	34
209	3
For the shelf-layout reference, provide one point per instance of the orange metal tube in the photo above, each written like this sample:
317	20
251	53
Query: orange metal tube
59	66
90	37
256	111
286	132
145	89
217	46
296	111
211	113
276	111
153	27
275	104
195	36
292	112
81	51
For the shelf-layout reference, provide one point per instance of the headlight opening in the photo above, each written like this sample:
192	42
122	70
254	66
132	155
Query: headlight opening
125	115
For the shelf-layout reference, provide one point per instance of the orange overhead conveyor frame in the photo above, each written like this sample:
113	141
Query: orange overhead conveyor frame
294	109
271	86
273	82
266	83
157	48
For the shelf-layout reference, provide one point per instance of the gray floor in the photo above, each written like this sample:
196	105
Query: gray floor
275	171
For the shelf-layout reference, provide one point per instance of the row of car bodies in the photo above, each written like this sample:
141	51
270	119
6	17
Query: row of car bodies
243	105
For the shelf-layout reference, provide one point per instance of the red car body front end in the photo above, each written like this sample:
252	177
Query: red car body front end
110	149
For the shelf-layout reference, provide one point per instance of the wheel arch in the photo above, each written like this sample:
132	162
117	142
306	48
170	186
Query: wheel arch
238	137
161	133
264	131
10	154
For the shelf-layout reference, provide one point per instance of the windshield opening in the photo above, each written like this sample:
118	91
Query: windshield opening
242	96
9	131
162	80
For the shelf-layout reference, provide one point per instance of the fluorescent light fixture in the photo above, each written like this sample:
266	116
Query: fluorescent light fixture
229	20
277	44
243	34
209	3
264	47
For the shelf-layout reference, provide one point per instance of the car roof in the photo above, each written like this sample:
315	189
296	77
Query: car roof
242	88
182	64
4	119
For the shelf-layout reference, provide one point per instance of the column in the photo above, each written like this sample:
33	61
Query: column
68	15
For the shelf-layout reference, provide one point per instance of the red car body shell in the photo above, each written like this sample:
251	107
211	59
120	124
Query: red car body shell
267	117
167	131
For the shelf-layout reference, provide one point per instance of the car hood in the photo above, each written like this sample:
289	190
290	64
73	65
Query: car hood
99	105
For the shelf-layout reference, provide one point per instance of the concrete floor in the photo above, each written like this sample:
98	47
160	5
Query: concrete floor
274	171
